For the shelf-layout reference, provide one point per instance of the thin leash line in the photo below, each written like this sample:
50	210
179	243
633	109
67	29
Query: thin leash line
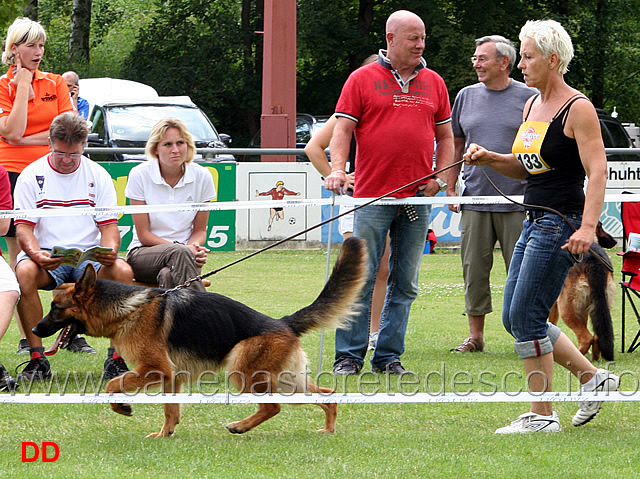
577	258
318	225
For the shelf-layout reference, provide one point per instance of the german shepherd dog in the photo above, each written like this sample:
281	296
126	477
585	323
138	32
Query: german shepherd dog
588	292
166	335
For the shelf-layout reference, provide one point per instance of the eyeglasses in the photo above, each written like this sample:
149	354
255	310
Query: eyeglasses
59	156
481	59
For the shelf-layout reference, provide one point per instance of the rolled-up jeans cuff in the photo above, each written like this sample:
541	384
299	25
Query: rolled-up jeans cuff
537	347
553	332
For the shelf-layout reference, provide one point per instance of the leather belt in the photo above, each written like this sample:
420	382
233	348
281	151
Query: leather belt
531	215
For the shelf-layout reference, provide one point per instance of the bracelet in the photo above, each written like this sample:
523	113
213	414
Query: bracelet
338	171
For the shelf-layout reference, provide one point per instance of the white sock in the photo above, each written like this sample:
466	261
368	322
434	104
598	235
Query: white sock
591	384
546	417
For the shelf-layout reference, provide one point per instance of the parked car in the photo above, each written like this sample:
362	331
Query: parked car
123	113
623	170
306	126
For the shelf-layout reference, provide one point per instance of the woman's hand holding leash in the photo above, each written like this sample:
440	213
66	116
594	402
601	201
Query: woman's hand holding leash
475	154
580	241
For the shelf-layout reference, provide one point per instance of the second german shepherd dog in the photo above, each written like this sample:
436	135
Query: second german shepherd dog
588	292
166	335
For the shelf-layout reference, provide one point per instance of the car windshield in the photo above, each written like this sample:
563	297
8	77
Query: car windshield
134	122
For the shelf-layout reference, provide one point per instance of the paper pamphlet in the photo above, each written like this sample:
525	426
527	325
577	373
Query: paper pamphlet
75	257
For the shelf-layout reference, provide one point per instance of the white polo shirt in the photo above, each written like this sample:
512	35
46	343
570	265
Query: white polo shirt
41	186
146	184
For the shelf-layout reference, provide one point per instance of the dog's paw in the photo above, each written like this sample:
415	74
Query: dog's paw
235	428
124	409
326	431
160	434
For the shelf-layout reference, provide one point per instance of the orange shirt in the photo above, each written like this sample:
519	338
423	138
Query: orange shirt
51	98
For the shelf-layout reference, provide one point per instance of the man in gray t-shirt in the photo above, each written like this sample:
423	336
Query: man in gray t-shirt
488	113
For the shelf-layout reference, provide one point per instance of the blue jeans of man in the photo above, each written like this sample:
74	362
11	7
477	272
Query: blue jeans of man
536	276
372	223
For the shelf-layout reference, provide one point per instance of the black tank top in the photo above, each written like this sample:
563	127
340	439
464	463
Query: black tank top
562	187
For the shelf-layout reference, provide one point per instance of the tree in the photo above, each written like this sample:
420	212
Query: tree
9	11
198	51
80	28
212	51
31	10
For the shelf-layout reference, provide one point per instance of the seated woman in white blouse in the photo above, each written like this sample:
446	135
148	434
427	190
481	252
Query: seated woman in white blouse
167	247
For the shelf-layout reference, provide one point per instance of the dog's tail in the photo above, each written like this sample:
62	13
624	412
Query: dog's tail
336	304
599	310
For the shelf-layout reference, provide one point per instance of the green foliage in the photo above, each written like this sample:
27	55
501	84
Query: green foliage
9	10
115	27
212	51
196	51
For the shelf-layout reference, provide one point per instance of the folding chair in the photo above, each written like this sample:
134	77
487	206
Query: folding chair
630	215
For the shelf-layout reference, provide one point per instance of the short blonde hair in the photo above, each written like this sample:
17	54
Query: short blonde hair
22	30
550	37
160	129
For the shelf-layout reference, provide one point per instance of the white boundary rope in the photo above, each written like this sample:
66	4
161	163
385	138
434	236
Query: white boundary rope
246	205
302	398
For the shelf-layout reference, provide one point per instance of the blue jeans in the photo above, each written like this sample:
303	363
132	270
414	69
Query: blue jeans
64	273
407	245
536	275
69	274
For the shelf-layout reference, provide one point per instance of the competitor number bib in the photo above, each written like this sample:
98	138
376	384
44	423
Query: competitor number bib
526	147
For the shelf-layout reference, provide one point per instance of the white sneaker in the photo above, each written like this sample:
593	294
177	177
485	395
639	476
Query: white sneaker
606	382
532	422
373	340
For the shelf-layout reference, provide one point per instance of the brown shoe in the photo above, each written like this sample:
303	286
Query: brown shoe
469	345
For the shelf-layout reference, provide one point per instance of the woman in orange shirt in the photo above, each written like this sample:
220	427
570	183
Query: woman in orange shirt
29	101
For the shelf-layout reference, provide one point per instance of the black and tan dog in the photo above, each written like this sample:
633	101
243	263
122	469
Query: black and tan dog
178	335
588	292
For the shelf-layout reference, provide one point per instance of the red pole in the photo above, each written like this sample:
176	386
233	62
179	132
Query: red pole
278	118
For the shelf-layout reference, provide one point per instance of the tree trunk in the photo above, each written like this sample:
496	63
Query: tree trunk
365	18
600	54
31	10
80	28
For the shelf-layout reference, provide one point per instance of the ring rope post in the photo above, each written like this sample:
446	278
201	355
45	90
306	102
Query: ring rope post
326	272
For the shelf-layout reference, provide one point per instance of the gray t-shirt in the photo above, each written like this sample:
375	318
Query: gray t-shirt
490	118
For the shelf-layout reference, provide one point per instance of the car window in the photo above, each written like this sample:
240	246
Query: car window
606	137
134	122
618	135
303	131
97	122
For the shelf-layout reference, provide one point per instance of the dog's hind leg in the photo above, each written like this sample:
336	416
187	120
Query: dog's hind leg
330	409
254	382
575	316
264	412
595	349
553	314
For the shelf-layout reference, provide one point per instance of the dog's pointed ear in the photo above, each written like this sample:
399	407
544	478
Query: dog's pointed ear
87	280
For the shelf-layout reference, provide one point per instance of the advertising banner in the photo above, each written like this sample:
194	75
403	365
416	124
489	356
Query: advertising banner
221	232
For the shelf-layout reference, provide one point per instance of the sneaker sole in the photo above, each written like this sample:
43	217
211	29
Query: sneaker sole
545	429
615	388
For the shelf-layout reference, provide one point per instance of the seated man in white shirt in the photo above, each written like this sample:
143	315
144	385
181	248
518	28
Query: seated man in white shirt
63	178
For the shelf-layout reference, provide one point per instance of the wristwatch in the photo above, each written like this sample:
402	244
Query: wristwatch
441	184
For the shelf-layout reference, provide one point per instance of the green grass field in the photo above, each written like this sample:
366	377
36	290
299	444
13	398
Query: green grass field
376	440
